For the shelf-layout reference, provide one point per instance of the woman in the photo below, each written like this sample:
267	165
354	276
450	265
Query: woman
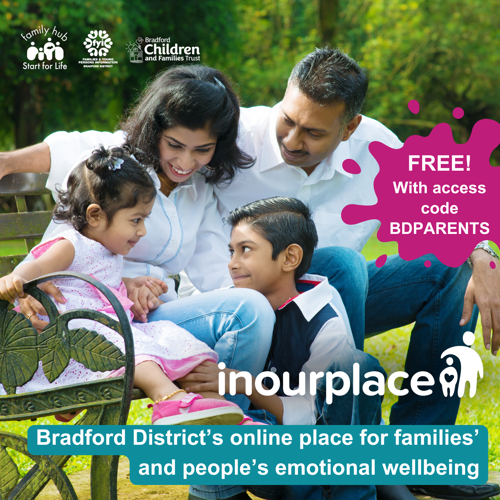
186	125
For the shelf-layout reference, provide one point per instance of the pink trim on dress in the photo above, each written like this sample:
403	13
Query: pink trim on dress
120	294
40	249
173	368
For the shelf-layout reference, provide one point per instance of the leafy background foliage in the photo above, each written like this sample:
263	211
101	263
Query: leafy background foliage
442	53
445	54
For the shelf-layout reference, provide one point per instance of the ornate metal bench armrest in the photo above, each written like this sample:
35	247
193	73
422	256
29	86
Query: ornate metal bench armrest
21	347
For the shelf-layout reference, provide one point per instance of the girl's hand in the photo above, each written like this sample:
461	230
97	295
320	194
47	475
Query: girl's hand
11	287
144	292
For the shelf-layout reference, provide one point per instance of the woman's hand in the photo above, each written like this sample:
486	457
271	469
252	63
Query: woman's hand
144	291
31	308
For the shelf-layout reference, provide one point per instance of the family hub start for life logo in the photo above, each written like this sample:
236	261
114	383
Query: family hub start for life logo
46	49
471	366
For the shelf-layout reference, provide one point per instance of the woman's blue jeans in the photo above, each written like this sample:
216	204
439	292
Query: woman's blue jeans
236	323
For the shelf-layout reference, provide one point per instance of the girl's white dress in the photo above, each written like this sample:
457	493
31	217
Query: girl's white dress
174	349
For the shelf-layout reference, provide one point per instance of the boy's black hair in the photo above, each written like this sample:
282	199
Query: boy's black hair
328	76
110	178
282	221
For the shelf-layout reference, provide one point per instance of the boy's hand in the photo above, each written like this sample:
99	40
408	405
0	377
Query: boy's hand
144	292
205	377
11	287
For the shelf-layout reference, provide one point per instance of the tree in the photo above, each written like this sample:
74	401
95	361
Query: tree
34	103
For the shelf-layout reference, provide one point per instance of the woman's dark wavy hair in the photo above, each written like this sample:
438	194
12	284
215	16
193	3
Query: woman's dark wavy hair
97	180
195	97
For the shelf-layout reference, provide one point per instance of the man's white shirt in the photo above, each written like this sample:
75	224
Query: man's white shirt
327	190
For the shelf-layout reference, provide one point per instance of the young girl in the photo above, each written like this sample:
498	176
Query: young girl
107	201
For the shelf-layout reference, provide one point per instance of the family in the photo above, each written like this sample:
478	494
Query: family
247	202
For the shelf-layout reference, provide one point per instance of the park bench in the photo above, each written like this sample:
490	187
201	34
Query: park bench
22	348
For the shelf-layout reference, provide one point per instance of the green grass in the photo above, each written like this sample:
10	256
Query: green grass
390	348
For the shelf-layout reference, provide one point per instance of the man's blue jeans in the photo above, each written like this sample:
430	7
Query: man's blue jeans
398	294
236	323
344	410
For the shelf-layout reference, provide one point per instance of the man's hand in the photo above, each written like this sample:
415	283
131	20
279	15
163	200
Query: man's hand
31	308
205	377
144	291
484	290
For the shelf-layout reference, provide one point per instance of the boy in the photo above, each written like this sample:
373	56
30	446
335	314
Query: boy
272	243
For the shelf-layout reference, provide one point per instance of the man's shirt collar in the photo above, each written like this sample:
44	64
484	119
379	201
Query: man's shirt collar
271	155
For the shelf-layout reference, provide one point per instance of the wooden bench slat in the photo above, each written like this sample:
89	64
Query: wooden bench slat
9	262
24	225
23	184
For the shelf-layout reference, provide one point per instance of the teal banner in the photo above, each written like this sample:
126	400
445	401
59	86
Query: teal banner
247	455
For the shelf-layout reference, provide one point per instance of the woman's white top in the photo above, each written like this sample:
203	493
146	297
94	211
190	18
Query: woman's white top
184	231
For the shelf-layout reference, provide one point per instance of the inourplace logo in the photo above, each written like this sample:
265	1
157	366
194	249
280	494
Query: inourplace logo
470	363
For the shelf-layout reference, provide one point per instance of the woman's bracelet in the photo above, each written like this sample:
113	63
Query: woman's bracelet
484	246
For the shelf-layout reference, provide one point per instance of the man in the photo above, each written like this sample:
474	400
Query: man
300	146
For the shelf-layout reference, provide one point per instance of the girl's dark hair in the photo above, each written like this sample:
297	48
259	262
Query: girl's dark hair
281	221
110	178
195	97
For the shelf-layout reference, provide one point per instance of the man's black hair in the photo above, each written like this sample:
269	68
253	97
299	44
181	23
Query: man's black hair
328	77
281	221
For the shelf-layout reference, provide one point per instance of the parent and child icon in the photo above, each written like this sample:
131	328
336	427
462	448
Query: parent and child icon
471	366
49	51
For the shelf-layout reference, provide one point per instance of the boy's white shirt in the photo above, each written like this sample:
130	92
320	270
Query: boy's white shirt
334	336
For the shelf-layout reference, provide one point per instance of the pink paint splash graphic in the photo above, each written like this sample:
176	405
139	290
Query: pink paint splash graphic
453	183
380	262
427	263
414	106
351	167
492	265
458	113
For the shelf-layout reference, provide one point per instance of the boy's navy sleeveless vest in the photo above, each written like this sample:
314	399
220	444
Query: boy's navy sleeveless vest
292	339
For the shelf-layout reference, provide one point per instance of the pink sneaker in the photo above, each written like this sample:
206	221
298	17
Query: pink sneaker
249	421
192	409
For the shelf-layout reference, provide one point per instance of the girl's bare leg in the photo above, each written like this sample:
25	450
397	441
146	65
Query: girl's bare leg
152	380
205	394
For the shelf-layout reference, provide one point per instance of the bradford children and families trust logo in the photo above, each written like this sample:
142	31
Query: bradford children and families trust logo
160	49
98	43
46	49
421	382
